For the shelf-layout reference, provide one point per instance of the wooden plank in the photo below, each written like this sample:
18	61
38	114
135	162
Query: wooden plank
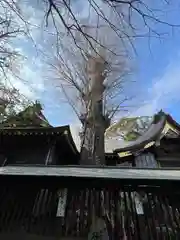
92	172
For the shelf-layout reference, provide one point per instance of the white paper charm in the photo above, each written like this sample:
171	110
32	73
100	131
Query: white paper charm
138	205
62	193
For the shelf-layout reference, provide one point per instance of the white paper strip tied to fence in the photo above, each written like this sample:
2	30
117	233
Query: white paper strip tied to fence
138	204
61	208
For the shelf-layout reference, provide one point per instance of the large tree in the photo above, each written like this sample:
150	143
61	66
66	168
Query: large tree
95	79
12	26
103	38
11	102
128	19
92	60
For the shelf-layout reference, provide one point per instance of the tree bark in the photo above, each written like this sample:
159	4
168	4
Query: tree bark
93	152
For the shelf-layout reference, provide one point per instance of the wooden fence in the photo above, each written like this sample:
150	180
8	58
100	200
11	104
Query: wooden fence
121	211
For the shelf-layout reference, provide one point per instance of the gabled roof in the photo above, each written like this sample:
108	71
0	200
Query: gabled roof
162	126
31	121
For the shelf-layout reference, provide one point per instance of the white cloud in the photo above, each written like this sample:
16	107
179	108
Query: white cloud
164	90
27	77
29	80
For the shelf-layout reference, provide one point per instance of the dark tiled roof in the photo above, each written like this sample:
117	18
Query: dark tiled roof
152	134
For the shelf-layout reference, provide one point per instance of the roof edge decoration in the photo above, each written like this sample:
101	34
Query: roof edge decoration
162	125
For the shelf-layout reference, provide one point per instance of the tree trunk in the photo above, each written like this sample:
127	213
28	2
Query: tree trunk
92	152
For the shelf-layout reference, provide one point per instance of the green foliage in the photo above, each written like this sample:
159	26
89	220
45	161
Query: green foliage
131	136
123	124
30	117
129	129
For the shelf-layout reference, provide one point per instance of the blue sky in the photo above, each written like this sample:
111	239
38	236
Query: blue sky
157	72
158	64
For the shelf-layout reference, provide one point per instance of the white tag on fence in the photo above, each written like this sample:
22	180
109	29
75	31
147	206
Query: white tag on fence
138	205
62	193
